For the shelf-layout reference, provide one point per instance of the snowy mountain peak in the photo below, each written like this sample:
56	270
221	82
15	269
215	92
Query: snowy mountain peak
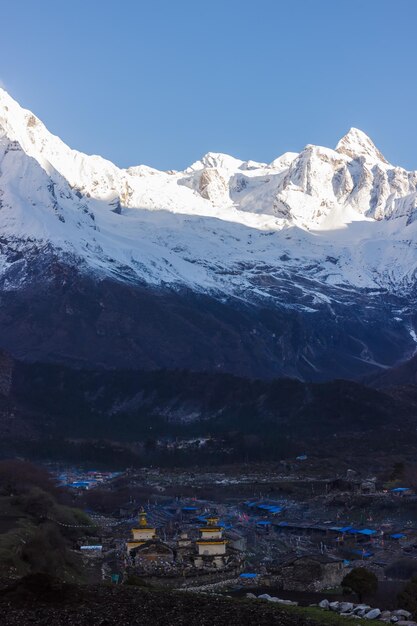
356	143
222	224
218	160
324	241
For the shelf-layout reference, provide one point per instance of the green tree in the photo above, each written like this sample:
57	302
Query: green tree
361	581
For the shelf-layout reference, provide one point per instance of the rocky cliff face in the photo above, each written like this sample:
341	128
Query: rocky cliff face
302	267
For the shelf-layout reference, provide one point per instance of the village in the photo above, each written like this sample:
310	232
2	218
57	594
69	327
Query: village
285	534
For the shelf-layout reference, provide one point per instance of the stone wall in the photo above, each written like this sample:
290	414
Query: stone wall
310	576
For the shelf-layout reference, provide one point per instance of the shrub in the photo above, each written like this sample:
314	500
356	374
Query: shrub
361	581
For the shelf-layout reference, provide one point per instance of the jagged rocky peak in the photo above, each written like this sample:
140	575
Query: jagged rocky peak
216	160
309	233
214	219
357	144
19	124
212	186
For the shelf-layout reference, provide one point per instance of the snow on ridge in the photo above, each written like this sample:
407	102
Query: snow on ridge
340	217
356	143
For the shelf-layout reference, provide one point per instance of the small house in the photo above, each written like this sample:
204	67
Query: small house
310	573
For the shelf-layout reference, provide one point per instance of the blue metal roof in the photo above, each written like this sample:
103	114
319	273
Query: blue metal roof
363	531
367	531
397	536
272	508
263	523
248	575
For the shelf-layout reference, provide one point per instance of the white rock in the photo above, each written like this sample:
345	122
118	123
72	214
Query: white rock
373	614
324	604
402	613
286	602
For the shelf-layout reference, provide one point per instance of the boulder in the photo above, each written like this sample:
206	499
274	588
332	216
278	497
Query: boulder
251	596
402	613
334	606
324	604
345	607
372	614
287	602
264	596
361	607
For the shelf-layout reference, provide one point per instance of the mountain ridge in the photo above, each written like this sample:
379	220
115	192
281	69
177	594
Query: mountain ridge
309	262
317	191
58	412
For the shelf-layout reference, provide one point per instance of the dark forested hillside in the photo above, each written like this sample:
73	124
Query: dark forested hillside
46	408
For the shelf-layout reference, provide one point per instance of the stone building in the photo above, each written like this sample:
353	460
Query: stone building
211	546
368	486
310	573
141	534
153	550
208	552
236	540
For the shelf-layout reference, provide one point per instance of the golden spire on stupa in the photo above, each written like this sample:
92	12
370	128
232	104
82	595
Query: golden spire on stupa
143	522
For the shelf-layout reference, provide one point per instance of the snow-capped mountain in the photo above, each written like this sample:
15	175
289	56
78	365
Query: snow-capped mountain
307	264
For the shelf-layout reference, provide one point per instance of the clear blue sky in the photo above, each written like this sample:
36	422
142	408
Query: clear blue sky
162	82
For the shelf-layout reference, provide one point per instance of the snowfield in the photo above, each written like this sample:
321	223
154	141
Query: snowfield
339	219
